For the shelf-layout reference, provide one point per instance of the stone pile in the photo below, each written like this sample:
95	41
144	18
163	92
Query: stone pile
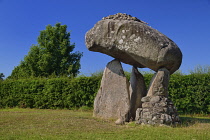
131	41
157	110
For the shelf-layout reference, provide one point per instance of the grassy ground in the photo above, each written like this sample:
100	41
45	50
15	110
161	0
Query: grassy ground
76	125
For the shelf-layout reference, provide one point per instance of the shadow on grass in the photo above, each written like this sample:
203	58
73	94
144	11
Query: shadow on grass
188	121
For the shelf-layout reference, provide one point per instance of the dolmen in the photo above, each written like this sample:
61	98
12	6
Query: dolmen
130	40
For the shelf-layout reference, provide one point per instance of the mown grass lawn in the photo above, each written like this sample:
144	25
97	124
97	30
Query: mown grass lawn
76	125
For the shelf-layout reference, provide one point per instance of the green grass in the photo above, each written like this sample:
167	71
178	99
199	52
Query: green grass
76	125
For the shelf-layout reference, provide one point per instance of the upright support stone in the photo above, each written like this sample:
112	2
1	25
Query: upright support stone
157	108
113	99
137	91
159	83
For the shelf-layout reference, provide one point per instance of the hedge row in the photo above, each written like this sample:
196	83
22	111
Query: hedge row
190	93
49	93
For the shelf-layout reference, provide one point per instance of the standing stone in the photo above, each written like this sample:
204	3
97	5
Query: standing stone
137	91
157	108
159	83
113	100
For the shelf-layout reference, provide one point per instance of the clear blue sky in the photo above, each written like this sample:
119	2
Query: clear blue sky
186	22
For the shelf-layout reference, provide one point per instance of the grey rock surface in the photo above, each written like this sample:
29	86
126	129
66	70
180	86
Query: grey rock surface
133	42
137	91
113	99
120	121
159	83
158	110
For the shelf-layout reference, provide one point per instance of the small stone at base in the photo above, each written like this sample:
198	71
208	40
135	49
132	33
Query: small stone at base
119	122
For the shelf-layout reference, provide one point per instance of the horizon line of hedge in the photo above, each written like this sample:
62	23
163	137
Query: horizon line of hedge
190	93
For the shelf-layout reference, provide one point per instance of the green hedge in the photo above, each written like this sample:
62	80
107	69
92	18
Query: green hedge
190	93
49	93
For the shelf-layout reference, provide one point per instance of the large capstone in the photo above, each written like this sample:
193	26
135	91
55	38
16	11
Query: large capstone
113	99
133	42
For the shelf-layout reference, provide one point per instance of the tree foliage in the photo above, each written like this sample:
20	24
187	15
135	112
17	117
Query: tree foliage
52	56
1	76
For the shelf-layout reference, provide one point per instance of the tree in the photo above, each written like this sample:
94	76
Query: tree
51	57
1	76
